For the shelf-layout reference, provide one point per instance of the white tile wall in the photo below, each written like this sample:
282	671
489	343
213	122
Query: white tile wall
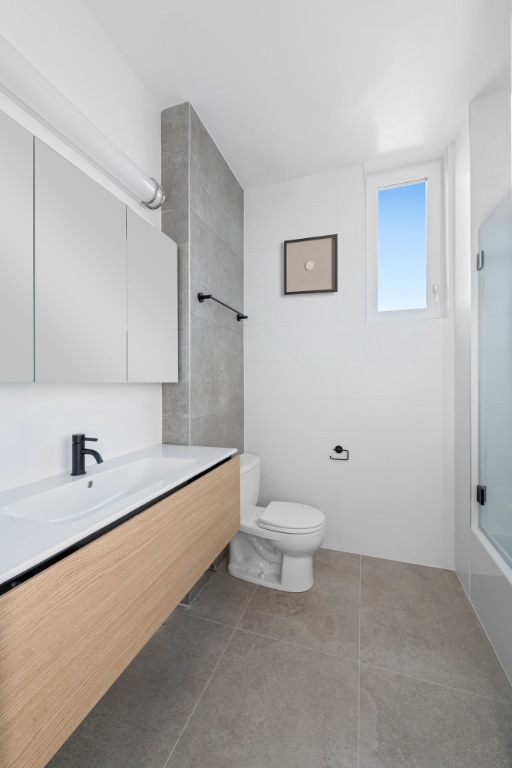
304	456
291	378
402	421
316	374
351	256
408	338
290	223
264	305
37	421
395	378
315	340
297	193
351	301
381	539
389	468
291	416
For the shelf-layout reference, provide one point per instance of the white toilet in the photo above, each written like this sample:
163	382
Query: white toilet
275	544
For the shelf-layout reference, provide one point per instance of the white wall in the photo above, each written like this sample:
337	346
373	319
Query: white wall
65	43
316	374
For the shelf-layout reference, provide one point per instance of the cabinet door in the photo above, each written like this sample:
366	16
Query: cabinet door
80	275
152	303
16	253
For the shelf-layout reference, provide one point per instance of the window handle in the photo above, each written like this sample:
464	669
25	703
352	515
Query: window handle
435	291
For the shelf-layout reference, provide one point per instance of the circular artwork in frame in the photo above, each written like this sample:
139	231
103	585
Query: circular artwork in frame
310	265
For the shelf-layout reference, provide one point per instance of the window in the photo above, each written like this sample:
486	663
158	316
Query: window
404	244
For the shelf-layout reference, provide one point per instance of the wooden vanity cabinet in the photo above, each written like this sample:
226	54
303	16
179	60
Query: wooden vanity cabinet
67	633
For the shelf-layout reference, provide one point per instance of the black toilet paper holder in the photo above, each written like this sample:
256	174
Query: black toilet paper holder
340	450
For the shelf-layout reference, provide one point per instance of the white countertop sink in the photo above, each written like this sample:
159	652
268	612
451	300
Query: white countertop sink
43	519
88	494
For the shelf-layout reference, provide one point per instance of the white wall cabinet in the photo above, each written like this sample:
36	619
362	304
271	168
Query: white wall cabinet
80	275
152	303
16	253
105	283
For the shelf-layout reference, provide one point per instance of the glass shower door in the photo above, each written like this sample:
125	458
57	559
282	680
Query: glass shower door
495	378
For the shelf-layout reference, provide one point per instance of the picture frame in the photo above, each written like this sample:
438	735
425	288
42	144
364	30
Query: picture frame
311	265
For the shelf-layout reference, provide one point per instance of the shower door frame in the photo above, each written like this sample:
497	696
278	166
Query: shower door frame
481	409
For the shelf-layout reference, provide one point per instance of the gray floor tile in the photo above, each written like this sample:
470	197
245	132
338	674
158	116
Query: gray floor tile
432	692
151	701
102	741
418	621
171	670
223	598
275	705
410	723
326	618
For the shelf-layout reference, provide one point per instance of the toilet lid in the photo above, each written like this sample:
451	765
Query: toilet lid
289	517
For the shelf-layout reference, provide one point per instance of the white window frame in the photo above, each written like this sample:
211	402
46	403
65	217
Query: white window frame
432	173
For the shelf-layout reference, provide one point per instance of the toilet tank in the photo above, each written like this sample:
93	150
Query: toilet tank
249	480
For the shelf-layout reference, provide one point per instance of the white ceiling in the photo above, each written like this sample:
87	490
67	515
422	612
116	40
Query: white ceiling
293	87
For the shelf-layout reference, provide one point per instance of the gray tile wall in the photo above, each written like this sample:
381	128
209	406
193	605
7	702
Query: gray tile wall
203	213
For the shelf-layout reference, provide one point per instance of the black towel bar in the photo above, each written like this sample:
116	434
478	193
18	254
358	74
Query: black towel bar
203	296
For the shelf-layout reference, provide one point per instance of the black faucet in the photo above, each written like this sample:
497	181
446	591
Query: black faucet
78	452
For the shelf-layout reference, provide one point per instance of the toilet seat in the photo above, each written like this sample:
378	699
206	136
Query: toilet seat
290	517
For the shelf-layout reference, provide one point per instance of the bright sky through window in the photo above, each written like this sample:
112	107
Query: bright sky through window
402	247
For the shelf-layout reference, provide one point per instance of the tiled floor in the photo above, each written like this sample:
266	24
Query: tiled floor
380	665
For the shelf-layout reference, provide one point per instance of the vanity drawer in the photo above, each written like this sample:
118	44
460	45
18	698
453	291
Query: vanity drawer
67	633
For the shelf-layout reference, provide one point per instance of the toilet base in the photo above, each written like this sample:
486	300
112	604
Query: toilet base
268	579
275	581
254	559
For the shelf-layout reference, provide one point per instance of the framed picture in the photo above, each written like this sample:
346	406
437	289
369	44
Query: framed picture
311	265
